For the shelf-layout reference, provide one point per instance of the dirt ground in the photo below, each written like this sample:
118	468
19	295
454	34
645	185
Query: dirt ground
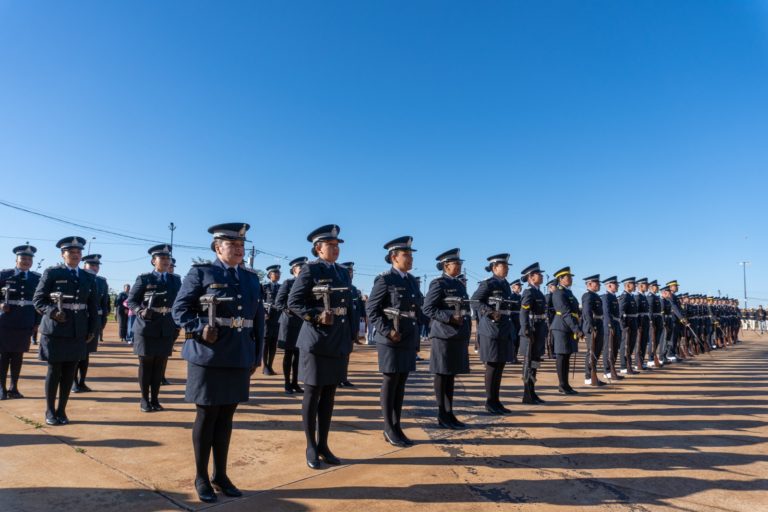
691	436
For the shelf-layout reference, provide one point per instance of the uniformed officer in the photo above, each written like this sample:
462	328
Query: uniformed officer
656	324
612	328
18	319
321	297
358	312
394	309
514	315
628	318
272	322
533	330
154	330
494	329
288	334
676	323
566	327
121	312
447	306
163	380
221	355
551	287
92	265
643	321
593	328
67	298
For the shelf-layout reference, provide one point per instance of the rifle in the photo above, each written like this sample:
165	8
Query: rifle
655	342
323	291
698	340
5	290
210	301
611	362
395	314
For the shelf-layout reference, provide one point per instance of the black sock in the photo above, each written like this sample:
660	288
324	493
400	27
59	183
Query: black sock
157	376
400	396
5	362
287	365
324	415
389	384
17	359
202	438
67	379
309	406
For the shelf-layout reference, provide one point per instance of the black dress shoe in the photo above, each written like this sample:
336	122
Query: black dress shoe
346	384
456	422
503	409
145	407
446	423
156	406
268	371
205	491
14	393
62	417
493	409
289	390
164	382
329	458
313	462
77	389
297	388
84	388
226	487
402	435
572	391
51	419
3	394
394	440
538	400
601	383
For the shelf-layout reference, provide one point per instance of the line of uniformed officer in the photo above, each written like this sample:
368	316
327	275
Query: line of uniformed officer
92	265
19	320
272	321
290	325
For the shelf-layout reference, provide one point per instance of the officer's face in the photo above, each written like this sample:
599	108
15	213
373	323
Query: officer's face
72	256
274	276
612	287
329	251
593	286
535	279
24	262
643	287
629	287
230	252
402	260
295	270
673	288
452	268
566	281
654	289
127	288
161	263
501	270
665	294
516	288
93	268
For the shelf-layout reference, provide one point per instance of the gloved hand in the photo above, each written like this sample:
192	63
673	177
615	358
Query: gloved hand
495	316
325	318
394	336
210	334
59	316
147	314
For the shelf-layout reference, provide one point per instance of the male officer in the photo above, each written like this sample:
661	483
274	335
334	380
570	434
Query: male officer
272	322
221	354
551	286
676	323
612	327
154	330
358	312
92	264
643	321
533	330
288	334
592	326
18	319
514	314
566	327
494	328
121	312
628	316
68	300
656	324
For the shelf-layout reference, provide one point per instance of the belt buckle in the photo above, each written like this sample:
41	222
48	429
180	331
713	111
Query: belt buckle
237	322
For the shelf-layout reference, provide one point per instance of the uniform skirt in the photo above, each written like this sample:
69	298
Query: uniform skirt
61	350
449	357
493	350
320	370
153	347
211	385
15	340
396	359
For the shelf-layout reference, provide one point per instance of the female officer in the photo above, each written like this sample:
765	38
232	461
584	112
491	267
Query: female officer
321	297
67	298
154	331
221	354
447	306
290	325
566	327
494	329
393	308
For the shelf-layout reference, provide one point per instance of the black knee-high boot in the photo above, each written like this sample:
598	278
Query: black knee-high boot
146	364
440	398
154	382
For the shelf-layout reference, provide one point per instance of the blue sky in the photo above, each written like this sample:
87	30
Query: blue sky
620	137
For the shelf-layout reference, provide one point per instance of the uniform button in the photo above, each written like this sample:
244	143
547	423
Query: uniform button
342	300
239	307
239	329
239	296
343	320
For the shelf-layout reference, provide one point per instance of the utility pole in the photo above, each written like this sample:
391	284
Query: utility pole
252	257
172	227
744	265
89	244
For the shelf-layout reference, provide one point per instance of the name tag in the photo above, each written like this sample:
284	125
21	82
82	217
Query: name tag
218	285
62	281
151	286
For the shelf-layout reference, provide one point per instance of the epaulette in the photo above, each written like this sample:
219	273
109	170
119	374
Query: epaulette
145	274
251	270
101	277
202	264
38	274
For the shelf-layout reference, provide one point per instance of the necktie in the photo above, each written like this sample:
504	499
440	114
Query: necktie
74	273
233	274
162	278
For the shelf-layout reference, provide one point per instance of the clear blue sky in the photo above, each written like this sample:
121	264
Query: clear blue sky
620	137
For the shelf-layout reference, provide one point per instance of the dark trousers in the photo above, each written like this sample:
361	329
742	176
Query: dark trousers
151	370
58	381
628	340
591	359
643	336
611	347
212	431
12	361
122	324
392	398
270	349
563	366
493	374
673	335
316	414
291	367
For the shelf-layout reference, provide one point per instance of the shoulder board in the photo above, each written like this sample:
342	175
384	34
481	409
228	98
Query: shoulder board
203	264
145	274
38	274
385	273
251	270
102	278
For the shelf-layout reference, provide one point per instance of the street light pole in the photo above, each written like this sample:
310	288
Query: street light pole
744	265
89	244
172	227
